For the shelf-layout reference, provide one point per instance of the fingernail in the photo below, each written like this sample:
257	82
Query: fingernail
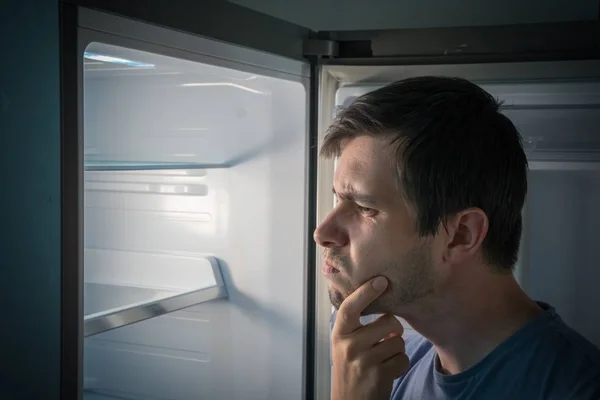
380	283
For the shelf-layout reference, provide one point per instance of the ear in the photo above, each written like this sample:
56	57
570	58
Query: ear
466	232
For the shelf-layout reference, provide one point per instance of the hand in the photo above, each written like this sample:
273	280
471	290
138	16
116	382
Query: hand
366	359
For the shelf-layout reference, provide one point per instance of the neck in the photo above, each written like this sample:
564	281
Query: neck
465	322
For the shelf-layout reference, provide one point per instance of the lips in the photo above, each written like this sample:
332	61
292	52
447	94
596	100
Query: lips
328	269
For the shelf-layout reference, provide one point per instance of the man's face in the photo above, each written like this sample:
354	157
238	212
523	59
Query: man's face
373	232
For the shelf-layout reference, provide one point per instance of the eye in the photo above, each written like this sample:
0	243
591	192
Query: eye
369	212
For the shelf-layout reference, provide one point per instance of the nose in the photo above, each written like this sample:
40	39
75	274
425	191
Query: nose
330	234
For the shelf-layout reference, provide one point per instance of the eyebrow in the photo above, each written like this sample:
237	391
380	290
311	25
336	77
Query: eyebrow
352	194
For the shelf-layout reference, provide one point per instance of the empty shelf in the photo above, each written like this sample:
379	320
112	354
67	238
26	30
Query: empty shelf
90	165
110	306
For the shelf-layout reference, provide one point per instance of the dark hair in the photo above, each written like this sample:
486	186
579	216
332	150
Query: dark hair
454	150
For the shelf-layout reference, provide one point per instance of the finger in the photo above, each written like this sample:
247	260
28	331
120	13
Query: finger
348	316
396	366
391	335
387	349
379	329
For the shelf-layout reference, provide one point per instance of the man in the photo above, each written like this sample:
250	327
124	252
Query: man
430	183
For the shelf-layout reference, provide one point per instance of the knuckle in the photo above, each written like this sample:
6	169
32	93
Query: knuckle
358	365
361	366
345	315
373	374
348	350
352	350
336	341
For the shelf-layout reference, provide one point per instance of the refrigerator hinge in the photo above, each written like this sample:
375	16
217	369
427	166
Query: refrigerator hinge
320	48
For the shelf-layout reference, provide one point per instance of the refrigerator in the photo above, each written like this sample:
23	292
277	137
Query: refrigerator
192	185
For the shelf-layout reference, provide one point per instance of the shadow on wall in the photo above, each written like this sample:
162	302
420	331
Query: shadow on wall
259	312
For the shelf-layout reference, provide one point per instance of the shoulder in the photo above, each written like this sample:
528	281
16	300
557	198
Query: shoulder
567	362
569	345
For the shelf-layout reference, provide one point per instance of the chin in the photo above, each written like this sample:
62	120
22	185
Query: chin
336	298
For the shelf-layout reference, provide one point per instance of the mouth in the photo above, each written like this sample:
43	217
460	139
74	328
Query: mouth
328	269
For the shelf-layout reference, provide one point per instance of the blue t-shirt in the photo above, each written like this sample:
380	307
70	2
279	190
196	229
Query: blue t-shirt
545	359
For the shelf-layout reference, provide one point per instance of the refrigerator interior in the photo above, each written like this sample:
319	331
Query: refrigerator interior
559	120
193	172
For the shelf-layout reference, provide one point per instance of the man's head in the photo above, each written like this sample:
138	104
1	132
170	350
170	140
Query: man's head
430	177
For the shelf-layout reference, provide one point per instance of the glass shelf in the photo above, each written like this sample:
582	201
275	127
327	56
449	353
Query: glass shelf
110	306
145	166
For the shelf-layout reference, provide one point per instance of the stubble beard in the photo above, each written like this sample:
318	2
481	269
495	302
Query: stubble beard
409	280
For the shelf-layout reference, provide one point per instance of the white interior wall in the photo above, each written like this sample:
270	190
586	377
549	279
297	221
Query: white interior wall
250	215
